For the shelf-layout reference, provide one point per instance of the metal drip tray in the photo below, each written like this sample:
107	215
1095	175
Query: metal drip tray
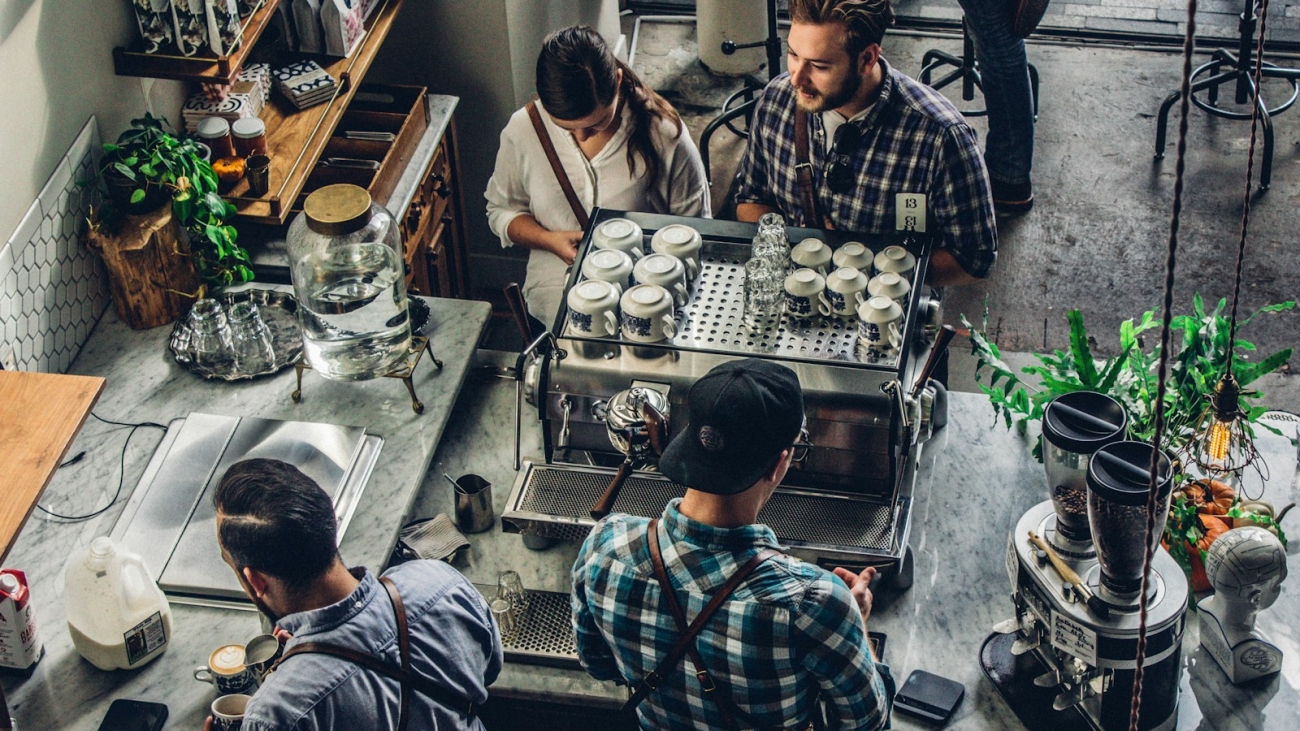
555	500
545	634
170	521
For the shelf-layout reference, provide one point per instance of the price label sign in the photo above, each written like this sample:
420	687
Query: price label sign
909	212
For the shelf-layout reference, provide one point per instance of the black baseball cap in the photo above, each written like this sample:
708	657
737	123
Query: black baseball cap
743	414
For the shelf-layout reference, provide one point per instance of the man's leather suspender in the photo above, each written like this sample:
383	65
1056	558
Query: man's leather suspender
409	679
804	173
685	644
554	158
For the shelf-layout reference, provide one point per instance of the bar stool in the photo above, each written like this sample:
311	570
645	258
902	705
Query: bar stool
967	69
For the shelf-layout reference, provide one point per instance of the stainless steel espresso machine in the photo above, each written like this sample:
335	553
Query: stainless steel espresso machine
608	404
1066	660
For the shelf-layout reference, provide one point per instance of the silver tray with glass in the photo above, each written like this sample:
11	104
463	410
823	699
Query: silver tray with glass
239	335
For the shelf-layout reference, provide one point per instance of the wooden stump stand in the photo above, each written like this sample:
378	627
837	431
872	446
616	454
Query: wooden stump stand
150	274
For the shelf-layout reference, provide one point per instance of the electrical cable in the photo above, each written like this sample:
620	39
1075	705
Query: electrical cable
121	473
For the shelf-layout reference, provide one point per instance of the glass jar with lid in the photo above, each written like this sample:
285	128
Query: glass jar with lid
345	256
249	136
215	133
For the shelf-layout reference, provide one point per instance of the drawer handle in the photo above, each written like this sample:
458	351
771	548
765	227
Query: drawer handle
413	215
440	186
407	266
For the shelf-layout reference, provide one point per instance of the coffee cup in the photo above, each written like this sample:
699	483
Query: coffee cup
648	314
855	255
802	286
665	270
620	234
895	259
682	242
260	653
608	265
593	308
226	671
813	254
844	292
880	323
228	712
891	285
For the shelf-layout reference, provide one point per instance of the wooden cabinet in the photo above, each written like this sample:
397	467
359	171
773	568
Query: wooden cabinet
436	260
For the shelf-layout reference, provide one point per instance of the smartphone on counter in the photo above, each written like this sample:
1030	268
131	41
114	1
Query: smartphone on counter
127	715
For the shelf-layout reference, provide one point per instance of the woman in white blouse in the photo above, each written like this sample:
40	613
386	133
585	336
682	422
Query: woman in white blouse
620	144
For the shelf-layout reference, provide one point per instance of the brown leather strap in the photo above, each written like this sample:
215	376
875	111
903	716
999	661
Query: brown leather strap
554	158
685	644
408	679
404	650
804	172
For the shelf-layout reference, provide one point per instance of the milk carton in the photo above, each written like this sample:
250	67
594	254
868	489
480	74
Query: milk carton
20	647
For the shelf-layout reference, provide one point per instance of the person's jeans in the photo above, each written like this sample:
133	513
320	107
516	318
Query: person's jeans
1004	71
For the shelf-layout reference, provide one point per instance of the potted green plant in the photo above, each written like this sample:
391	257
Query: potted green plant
147	167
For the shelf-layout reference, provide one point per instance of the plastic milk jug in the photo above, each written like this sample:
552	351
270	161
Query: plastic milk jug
20	647
117	615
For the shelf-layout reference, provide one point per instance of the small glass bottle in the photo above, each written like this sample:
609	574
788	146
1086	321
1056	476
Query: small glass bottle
211	339
215	133
250	339
249	136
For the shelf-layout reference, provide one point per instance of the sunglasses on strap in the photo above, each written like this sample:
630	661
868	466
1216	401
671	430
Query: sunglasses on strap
838	173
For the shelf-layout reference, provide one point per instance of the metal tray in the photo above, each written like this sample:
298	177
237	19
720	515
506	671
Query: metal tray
279	312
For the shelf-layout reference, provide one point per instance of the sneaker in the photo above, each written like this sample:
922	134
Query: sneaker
1012	198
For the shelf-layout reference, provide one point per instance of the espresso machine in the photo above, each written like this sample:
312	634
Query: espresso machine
1066	660
848	504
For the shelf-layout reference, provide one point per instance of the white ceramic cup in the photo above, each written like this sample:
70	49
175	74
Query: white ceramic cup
681	241
620	234
895	259
813	254
593	308
226	671
665	270
802	287
855	255
608	265
228	712
844	292
891	285
880	326
648	314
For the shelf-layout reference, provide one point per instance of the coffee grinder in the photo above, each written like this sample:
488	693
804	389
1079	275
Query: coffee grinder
1066	660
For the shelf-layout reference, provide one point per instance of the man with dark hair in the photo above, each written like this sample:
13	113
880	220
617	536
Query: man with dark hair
774	633
277	531
834	141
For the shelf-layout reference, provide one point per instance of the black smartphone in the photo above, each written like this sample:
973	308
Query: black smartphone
877	642
929	696
125	715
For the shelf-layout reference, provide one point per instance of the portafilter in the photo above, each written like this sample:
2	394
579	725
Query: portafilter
637	422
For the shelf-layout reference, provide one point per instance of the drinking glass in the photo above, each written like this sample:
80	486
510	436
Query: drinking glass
506	617
771	243
764	293
250	339
510	587
211	338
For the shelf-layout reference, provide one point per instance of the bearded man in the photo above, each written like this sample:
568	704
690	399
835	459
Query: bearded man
834	141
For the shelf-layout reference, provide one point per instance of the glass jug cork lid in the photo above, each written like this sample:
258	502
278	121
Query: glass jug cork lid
337	210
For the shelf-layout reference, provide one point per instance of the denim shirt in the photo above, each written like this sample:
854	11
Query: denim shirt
454	643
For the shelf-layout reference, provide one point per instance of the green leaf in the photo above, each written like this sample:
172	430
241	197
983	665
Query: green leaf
1247	373
137	195
1079	349
125	171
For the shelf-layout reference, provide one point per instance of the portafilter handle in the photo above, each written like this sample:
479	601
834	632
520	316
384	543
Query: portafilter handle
940	345
656	425
605	503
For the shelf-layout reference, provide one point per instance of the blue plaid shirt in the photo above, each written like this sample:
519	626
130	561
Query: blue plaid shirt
913	141
790	632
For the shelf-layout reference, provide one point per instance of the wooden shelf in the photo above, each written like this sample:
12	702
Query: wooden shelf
295	139
203	68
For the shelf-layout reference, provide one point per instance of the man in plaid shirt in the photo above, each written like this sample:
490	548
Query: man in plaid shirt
904	138
791	632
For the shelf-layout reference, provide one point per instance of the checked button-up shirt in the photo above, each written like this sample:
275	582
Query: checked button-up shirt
914	141
790	633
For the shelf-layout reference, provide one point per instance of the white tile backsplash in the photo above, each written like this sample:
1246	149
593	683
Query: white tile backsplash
52	290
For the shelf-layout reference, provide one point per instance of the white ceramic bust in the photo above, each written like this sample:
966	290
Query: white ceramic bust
1246	566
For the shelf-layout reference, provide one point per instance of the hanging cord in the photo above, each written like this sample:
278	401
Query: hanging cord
1250	168
121	472
1166	318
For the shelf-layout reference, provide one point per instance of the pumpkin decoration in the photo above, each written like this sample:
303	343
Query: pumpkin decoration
1211	497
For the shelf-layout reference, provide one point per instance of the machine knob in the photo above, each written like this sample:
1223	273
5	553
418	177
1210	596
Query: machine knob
600	409
728	47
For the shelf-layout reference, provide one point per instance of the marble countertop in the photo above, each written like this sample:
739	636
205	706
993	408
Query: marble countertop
961	518
146	384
